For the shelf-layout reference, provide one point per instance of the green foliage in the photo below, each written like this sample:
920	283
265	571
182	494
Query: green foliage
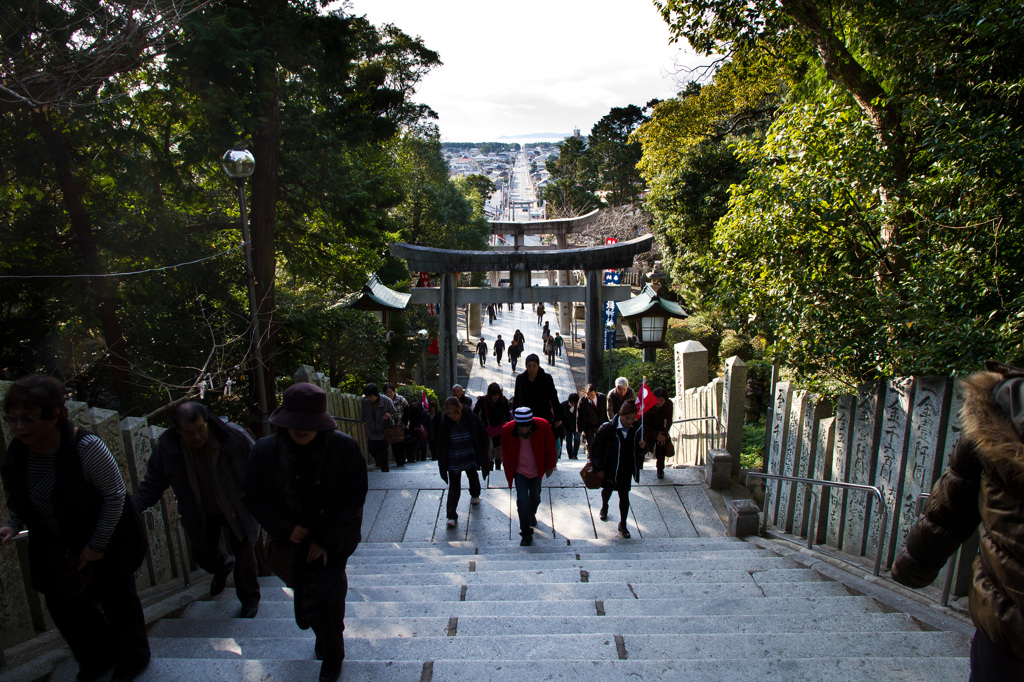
573	180
615	156
414	393
752	446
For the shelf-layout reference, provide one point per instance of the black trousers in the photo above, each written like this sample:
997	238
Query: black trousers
324	605
606	496
990	663
215	560
115	635
455	489
379	451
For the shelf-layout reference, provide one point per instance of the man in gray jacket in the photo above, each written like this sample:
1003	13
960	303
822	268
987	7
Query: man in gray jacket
203	460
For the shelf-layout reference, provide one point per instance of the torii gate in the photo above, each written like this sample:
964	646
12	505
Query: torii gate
520	265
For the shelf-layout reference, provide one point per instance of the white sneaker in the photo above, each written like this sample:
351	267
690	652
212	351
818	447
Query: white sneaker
474	500
451	523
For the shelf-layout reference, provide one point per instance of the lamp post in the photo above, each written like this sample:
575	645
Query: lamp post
239	164
423	335
610	326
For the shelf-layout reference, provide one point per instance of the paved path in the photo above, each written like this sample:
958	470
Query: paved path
407	504
508	321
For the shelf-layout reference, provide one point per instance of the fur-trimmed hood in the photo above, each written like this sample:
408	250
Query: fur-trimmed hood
997	442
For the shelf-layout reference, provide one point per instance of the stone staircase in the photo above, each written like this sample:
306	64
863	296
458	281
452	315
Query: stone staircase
654	608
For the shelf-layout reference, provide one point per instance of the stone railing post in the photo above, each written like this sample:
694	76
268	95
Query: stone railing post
734	408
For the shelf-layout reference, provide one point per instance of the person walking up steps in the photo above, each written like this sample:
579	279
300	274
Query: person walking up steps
619	450
462	445
514	351
528	449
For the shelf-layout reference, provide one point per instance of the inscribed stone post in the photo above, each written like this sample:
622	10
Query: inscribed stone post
776	446
840	470
691	366
924	459
304	374
475	310
734	409
803	466
794	432
824	451
962	575
138	449
867	426
15	613
891	464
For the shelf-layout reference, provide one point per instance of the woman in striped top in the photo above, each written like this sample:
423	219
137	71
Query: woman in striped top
86	540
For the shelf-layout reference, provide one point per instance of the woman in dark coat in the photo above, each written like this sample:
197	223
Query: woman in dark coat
86	541
983	491
306	485
656	422
462	445
590	414
619	450
495	411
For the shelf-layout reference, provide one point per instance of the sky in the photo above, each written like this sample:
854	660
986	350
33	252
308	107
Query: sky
515	70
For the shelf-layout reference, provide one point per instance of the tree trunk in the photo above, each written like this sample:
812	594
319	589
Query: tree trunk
266	151
82	232
886	117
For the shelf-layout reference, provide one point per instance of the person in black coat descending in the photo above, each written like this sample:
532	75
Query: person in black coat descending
536	389
619	450
306	485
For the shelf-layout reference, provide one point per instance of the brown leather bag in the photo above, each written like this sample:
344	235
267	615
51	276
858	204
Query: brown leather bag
591	479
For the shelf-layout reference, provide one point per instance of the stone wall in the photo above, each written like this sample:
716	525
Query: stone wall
896	435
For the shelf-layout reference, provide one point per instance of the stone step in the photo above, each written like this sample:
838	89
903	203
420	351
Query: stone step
577	590
596	646
571	575
706	560
546	544
750	670
699	606
504	625
555	554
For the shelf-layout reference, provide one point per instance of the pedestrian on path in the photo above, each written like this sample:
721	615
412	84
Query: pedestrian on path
619	450
377	412
981	492
203	460
549	350
520	338
535	389
481	351
306	485
528	448
514	351
540	313
499	349
400	449
592	409
462	447
545	333
460	393
656	422
490	313
495	411
570	424
619	394
559	342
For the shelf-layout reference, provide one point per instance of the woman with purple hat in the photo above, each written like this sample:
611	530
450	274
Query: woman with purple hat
306	486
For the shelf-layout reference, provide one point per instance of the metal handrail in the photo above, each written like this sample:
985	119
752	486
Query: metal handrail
813	519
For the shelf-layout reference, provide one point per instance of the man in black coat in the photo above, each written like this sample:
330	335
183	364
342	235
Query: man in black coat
536	389
203	460
590	414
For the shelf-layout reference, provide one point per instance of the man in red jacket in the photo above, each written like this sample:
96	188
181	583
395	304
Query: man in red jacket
528	452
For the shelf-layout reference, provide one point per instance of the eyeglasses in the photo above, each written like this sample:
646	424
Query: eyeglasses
12	420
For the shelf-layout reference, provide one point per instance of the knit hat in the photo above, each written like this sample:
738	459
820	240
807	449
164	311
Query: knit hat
524	415
304	408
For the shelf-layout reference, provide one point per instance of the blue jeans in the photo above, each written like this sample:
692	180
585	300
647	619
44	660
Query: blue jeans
572	443
527	502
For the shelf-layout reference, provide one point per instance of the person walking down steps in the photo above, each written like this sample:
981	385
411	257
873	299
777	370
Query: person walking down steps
481	350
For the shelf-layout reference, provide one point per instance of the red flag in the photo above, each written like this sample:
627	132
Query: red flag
645	400
426	405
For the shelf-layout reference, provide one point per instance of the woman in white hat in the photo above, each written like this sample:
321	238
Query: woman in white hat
306	486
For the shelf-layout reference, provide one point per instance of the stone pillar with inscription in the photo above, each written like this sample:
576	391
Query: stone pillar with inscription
815	410
867	427
836	526
823	453
777	433
733	409
891	464
138	449
788	490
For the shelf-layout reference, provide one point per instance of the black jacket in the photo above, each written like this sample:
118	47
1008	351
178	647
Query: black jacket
167	468
333	512
570	417
539	395
493	414
481	446
590	418
620	457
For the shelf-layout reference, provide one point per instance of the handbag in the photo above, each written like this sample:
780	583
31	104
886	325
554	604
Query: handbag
591	479
394	434
281	560
492	431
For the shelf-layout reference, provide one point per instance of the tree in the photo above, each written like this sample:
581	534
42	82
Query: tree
615	156
570	192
